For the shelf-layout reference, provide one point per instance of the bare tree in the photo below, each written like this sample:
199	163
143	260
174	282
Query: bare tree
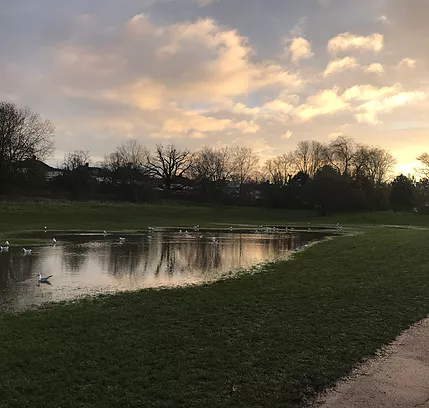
23	135
340	154
309	156
212	164
424	169
74	160
280	168
168	163
126	167
244	163
360	162
380	165
128	154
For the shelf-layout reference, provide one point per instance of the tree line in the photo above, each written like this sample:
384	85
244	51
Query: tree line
342	175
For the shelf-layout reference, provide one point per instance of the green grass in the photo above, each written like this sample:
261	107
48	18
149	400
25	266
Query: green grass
272	339
24	216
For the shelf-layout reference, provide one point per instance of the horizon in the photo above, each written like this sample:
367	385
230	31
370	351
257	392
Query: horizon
265	75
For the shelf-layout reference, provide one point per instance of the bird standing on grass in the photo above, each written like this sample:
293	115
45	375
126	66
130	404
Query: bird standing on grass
26	251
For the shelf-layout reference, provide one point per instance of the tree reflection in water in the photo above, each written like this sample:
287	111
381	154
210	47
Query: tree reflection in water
88	264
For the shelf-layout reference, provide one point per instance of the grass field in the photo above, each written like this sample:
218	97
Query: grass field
24	216
272	339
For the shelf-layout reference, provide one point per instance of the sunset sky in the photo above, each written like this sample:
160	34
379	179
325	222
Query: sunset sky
264	74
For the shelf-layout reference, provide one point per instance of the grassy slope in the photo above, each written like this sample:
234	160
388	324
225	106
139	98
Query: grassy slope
268	340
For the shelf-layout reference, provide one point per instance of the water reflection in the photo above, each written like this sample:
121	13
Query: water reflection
85	264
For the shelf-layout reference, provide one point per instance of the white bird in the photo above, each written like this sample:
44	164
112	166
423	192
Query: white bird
121	239
4	248
27	251
6	243
45	228
43	279
54	240
150	228
104	233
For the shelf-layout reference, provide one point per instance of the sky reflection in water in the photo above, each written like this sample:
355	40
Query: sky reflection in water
88	264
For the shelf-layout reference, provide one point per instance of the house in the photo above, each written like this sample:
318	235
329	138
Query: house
33	165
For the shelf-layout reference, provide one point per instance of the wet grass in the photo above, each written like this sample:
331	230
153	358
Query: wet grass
16	217
272	339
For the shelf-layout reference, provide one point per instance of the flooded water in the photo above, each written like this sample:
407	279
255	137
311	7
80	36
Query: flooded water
86	264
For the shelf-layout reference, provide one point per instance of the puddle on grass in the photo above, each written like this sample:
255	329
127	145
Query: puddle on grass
91	263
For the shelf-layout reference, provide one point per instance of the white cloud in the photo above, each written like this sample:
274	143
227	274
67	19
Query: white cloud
407	63
338	65
369	92
248	127
277	105
375	68
384	19
287	135
149	65
299	49
369	112
326	102
347	41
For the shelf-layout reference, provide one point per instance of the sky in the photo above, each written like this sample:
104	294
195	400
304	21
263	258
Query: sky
259	73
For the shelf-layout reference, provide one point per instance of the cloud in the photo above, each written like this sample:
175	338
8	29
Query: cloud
248	127
369	112
369	92
277	105
187	61
407	63
338	65
186	121
347	41
374	68
287	135
326	102
299	48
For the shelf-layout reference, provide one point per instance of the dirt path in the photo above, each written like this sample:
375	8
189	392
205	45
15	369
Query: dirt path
399	378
